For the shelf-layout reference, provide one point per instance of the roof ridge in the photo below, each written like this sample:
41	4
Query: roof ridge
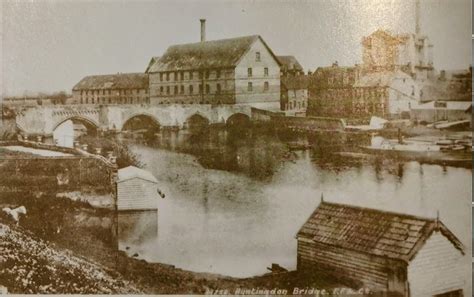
215	40
109	74
380	211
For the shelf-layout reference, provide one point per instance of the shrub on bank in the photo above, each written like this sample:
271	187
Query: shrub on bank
124	156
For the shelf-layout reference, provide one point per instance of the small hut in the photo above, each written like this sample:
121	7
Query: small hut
136	189
383	251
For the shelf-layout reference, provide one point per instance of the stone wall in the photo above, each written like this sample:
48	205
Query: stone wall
81	171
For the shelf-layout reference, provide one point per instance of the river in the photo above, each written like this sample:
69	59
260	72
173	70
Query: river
234	202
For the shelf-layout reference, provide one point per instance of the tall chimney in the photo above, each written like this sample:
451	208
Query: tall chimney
203	30
417	17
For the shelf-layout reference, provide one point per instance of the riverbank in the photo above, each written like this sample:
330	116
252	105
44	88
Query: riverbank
31	266
35	266
65	246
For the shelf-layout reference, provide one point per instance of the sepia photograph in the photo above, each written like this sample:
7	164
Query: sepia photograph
238	147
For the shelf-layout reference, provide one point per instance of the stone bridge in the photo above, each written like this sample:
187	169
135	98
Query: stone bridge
43	120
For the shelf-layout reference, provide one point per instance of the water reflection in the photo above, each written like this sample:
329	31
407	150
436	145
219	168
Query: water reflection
235	202
135	230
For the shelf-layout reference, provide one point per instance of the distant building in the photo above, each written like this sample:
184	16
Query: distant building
37	100
122	88
442	111
410	53
136	189
290	66
331	91
240	70
383	251
354	92
294	94
449	86
293	86
388	94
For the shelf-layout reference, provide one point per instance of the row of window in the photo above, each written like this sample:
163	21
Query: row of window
180	75
295	105
118	92
181	89
109	100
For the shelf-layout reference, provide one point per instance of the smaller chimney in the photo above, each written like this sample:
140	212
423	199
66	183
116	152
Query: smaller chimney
203	30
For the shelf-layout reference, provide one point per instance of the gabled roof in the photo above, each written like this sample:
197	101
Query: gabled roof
371	231
153	60
134	172
113	81
289	63
223	53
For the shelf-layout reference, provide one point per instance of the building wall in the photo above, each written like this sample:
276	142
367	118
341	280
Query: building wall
111	96
136	193
370	270
437	268
404	93
439	114
174	87
296	100
42	174
258	93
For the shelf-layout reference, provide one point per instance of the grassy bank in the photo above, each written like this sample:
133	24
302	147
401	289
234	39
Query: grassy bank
30	265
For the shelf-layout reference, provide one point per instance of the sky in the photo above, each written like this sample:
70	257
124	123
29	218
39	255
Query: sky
49	46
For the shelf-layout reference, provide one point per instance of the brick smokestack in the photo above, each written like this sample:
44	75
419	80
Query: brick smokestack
203	30
417	17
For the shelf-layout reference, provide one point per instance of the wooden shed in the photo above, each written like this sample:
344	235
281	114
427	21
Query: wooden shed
137	189
383	251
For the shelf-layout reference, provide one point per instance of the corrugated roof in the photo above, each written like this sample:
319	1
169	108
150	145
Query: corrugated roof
113	81
134	172
289	63
221	53
371	231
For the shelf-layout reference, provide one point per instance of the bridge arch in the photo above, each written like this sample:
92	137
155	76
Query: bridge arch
238	119
90	124
66	131
139	121
197	121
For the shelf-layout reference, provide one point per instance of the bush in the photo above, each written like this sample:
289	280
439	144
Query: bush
124	156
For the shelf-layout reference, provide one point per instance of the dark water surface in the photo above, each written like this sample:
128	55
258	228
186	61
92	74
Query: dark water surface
234	202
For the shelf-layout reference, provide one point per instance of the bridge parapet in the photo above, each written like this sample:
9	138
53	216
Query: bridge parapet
45	119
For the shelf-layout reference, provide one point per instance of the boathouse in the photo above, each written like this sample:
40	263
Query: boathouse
383	251
137	189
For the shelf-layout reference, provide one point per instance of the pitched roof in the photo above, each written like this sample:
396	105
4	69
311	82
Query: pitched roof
289	63
113	81
371	231
134	172
221	53
153	60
